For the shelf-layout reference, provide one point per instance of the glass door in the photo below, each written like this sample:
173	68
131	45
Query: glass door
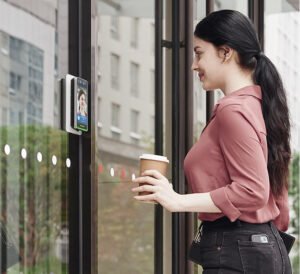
33	150
125	130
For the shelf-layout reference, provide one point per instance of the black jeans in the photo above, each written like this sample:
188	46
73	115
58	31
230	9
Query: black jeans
226	248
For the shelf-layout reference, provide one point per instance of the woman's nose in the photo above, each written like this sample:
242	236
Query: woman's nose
194	66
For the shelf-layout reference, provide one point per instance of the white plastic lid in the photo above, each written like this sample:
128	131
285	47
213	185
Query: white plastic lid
154	157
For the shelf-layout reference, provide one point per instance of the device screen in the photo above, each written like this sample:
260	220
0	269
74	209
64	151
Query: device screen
81	91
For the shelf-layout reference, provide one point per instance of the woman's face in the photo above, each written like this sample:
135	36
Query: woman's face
82	102
208	64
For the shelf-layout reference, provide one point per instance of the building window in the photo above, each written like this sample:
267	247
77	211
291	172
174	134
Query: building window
134	32
4	116
152	37
152	86
99	124
15	48
14	82
134	121
134	76
152	125
152	129
99	71
36	91
35	57
115	115
114	27
35	74
115	64
31	109
12	118
115	121
21	118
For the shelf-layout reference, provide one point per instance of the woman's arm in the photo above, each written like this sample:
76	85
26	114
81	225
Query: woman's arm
163	193
197	202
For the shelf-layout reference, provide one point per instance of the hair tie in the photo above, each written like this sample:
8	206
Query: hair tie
259	55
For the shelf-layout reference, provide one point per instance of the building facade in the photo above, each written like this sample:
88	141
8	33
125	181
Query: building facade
66	204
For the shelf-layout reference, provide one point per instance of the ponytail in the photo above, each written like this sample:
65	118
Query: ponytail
277	120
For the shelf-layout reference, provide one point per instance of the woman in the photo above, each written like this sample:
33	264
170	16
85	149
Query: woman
238	169
81	103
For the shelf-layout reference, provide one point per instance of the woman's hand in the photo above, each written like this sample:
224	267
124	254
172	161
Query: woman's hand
161	188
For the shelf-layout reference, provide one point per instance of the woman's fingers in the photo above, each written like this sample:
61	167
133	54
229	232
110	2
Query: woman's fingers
149	197
146	179
154	173
143	188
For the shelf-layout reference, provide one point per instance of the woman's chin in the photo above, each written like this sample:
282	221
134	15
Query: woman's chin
207	86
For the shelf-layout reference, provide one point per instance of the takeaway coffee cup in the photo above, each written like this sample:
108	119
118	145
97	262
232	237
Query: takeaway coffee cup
152	161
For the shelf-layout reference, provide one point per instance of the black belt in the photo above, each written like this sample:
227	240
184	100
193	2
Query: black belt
224	222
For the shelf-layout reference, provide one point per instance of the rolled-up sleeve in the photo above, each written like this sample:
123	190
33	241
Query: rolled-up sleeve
283	219
248	189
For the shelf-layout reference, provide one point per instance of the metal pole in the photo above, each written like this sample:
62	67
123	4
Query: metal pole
158	211
175	131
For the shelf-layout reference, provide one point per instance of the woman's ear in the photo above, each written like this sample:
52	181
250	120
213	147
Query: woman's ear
225	53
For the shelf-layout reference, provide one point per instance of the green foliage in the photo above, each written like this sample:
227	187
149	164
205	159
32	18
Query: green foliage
125	229
294	195
34	194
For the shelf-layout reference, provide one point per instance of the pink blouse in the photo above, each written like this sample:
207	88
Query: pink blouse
230	161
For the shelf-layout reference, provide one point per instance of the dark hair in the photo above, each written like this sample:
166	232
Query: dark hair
232	28
81	92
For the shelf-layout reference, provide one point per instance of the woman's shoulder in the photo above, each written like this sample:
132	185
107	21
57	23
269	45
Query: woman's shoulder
242	111
247	105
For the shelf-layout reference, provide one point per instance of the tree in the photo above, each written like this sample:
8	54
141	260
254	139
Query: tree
34	193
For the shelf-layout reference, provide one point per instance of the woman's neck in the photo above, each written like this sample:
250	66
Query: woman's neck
237	80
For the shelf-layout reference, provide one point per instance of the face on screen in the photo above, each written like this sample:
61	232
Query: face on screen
82	105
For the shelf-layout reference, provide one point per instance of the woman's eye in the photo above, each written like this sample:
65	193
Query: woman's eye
198	54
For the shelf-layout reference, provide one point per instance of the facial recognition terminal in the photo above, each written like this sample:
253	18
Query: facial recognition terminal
74	104
79	104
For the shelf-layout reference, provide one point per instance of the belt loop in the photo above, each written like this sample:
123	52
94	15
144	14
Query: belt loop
219	240
274	230
238	223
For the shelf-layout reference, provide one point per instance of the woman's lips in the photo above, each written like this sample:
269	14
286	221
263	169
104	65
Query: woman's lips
201	76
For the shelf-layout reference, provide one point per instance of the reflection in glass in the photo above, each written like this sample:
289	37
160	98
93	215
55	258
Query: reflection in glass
7	149
125	66
115	64
39	156
54	160
23	153
33	202
68	163
134	77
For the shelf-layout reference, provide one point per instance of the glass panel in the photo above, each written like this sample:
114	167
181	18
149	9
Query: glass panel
199	92
282	40
125	92
241	6
33	151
